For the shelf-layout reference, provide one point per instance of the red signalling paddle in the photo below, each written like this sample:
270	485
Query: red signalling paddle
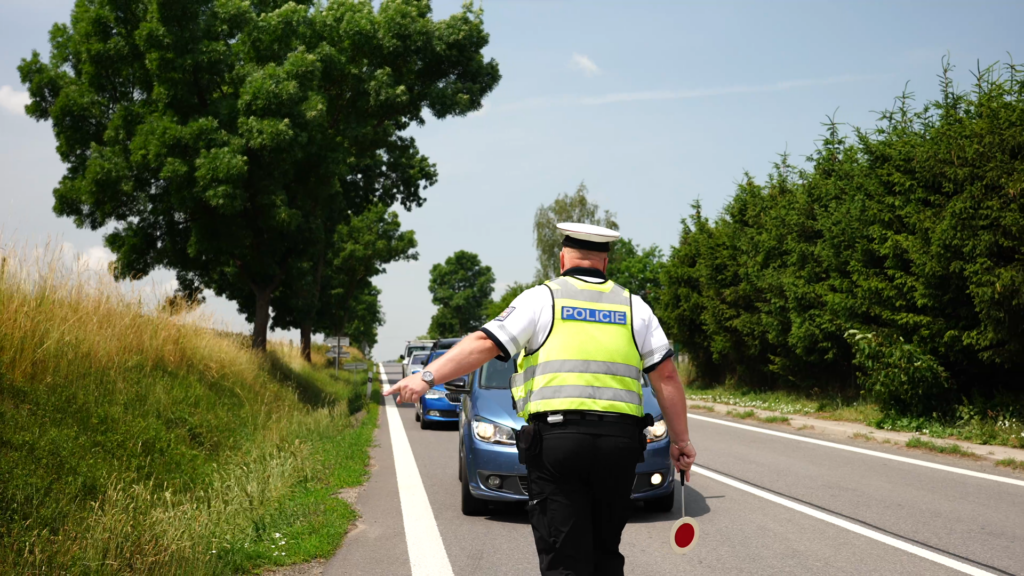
684	535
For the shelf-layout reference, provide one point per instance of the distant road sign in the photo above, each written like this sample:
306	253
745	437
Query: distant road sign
354	366
337	341
336	353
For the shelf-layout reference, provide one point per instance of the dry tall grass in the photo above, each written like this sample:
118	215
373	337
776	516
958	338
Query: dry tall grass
132	441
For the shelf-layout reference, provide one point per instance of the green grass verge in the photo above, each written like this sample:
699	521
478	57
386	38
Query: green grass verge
311	521
784	402
135	442
954	449
771	419
1011	463
978	427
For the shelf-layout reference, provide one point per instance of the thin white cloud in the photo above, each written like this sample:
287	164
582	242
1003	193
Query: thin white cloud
12	100
706	92
581	62
655	95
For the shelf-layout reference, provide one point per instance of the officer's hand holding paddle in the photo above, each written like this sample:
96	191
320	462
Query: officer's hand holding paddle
683	456
672	399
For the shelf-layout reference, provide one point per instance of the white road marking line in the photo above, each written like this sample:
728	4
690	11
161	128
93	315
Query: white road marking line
867	452
883	538
427	556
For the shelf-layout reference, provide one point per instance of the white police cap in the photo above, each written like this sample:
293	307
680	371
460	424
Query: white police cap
587	236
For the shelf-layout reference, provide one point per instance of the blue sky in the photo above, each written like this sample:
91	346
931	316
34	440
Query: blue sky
652	104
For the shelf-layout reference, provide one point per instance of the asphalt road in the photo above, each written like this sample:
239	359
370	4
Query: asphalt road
961	524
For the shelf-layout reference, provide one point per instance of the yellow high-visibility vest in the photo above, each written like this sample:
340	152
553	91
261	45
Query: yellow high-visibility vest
590	359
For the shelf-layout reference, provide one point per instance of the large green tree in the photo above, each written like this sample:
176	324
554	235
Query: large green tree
461	289
324	295
363	315
349	303
224	139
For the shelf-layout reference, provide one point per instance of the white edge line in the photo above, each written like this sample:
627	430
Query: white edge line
863	451
427	556
883	538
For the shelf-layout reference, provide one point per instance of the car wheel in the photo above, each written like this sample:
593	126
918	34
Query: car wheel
424	424
471	505
661	503
418	417
460	462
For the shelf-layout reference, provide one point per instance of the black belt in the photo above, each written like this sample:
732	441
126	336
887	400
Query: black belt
586	415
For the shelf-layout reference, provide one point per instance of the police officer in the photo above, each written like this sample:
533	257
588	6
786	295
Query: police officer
584	342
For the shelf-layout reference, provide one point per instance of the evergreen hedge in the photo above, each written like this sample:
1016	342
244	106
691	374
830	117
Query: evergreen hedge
892	265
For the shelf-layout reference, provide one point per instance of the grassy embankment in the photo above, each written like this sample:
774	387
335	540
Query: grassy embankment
972	426
133	442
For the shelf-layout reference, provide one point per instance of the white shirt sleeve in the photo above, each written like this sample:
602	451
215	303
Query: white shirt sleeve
650	338
524	324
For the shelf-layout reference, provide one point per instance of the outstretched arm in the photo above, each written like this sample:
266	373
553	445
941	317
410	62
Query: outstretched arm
672	400
471	353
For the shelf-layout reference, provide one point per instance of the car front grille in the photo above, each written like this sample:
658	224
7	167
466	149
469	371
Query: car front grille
453	397
522	485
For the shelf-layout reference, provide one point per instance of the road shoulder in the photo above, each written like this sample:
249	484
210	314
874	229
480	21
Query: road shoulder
376	545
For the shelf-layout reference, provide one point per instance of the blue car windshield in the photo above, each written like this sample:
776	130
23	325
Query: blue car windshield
495	374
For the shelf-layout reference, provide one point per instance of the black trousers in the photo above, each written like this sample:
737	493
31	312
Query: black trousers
580	483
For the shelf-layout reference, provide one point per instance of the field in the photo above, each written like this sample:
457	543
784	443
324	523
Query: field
134	441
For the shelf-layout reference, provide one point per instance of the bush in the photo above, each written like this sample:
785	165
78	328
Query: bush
898	376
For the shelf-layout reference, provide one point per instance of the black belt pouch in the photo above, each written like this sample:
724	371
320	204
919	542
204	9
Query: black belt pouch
645	422
527	442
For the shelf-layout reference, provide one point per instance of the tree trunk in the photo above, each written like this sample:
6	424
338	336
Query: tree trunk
262	319
306	341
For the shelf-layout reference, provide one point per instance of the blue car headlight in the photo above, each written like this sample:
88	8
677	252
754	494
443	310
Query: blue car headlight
492	432
434	394
656	432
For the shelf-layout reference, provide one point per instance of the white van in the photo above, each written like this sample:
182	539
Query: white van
412	347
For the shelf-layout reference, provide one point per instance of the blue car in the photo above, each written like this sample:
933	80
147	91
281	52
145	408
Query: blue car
489	465
438	405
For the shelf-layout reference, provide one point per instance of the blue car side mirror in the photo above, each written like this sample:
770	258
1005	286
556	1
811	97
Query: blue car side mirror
458	385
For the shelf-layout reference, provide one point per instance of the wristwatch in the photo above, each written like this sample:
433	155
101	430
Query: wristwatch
428	377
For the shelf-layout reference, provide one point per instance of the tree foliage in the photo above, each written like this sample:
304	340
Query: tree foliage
495	308
911	232
328	295
575	207
636	268
223	139
461	289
